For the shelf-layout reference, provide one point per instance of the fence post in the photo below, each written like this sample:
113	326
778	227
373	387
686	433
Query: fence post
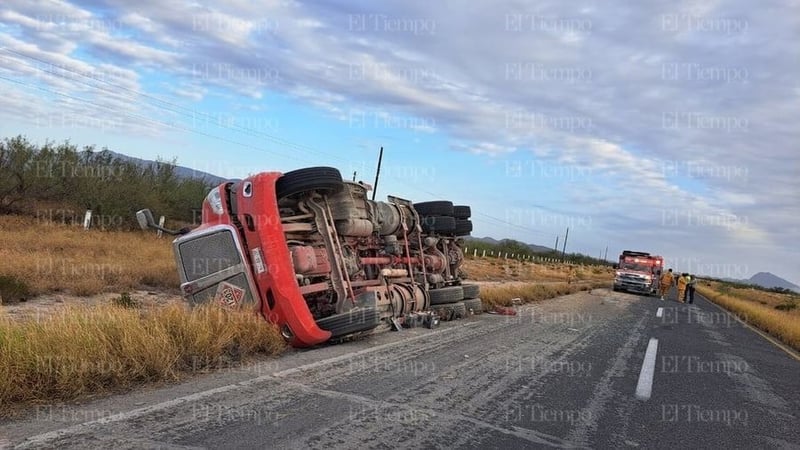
160	224
87	219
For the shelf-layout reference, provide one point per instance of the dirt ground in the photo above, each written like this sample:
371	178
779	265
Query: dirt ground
45	305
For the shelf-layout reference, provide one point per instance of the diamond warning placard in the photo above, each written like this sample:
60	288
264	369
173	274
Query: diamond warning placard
229	295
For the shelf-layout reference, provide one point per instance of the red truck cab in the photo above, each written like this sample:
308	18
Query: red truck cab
313	255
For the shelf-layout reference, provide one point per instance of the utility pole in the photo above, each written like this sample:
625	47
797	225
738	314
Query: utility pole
556	247
564	251
377	175
605	257
354	176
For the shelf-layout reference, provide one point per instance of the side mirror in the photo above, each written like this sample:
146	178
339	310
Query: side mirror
145	219
615	266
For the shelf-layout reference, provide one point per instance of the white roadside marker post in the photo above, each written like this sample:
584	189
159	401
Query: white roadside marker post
87	219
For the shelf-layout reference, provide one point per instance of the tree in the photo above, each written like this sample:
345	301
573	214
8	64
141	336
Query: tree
113	188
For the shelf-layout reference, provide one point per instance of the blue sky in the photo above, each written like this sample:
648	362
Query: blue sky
665	126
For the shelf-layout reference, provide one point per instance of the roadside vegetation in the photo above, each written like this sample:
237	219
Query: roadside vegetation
777	313
500	269
59	182
505	295
85	351
41	257
520	250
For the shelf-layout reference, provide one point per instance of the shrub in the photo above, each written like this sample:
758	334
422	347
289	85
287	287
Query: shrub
12	289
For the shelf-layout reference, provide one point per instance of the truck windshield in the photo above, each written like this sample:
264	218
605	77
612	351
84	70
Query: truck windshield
636	267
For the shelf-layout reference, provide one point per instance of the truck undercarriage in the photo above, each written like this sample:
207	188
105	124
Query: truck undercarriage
314	255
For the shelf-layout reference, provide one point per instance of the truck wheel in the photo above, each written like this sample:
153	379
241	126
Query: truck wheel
462	212
357	320
450	311
474	304
444	312
435	208
463	227
444	295
438	224
471	291
325	179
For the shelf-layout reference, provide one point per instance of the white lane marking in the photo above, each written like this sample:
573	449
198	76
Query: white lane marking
645	386
40	439
660	312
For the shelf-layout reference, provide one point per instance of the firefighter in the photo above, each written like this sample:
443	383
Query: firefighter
665	283
683	281
690	288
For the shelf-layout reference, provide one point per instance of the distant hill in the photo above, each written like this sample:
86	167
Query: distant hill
488	240
180	171
767	280
540	248
492	241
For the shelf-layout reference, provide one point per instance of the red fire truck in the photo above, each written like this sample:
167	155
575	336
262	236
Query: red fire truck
312	254
638	272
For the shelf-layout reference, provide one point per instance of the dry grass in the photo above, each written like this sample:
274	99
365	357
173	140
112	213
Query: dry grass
88	350
502	295
495	269
759	312
762	297
48	257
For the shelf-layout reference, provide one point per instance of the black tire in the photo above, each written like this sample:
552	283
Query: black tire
463	227
444	295
438	224
460	310
325	179
355	321
435	208
471	291
450	311
444	312
474	304
462	212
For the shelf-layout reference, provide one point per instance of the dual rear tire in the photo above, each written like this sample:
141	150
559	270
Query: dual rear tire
443	218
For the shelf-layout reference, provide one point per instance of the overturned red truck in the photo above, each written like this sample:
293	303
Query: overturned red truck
312	254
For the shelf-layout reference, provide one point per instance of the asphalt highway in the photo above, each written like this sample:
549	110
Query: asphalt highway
591	370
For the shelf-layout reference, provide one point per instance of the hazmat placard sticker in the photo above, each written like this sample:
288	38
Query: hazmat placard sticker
229	295
258	260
